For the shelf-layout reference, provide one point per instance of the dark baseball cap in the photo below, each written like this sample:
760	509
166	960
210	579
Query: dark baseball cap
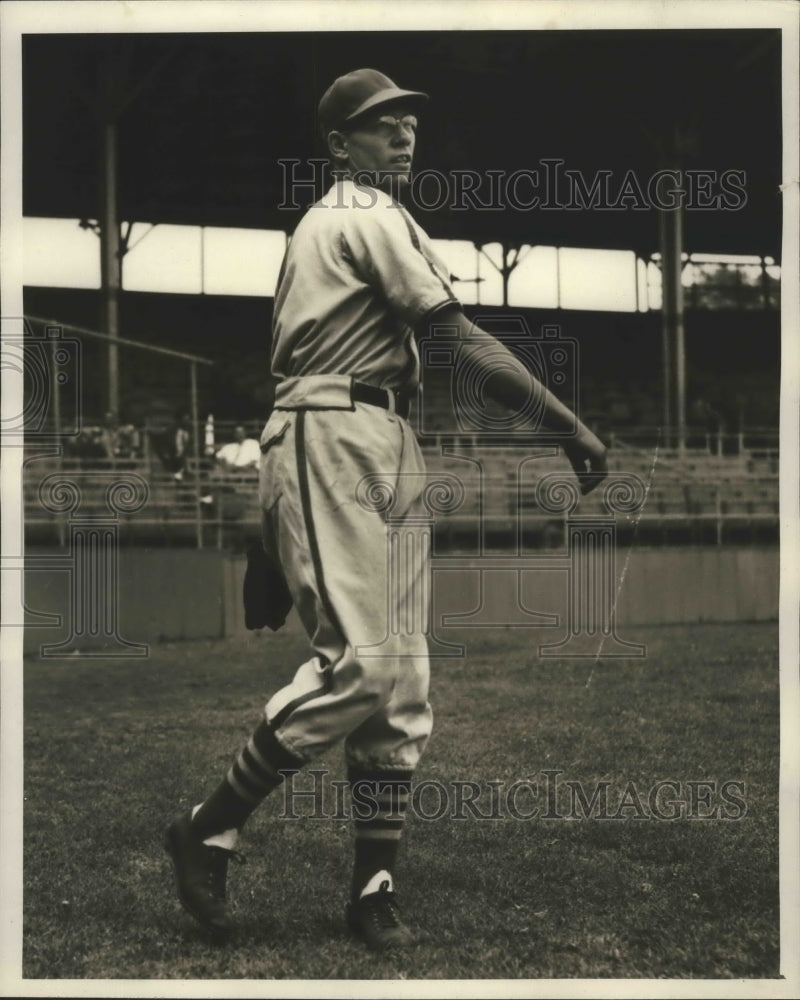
355	93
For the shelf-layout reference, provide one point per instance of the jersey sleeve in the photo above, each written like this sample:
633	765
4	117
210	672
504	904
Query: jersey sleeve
389	252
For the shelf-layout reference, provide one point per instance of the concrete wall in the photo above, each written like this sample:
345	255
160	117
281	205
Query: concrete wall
161	594
656	587
165	594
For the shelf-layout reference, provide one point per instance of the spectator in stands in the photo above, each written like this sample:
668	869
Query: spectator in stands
704	414
128	441
107	437
170	439
181	446
239	459
88	447
712	422
242	453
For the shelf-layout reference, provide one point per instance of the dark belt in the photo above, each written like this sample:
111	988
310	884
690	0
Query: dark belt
363	393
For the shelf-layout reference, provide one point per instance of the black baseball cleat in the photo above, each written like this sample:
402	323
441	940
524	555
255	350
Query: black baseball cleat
201	872
375	918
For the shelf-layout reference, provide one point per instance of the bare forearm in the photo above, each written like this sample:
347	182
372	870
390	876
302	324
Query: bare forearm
504	377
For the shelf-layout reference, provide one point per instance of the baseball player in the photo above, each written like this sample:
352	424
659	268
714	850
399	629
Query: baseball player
359	278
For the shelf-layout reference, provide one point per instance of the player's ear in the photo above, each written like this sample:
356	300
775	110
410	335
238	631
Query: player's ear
337	145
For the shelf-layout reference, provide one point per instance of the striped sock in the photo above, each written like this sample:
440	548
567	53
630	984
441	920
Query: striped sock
252	777
379	802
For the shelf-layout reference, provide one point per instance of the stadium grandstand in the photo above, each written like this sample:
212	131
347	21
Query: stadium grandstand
170	183
618	205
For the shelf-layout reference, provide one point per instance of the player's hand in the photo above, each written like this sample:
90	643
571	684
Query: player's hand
587	456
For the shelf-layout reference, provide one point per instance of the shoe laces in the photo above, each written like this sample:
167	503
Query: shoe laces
217	869
383	907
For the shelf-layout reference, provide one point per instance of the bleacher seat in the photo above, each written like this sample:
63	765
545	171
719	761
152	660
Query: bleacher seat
694	488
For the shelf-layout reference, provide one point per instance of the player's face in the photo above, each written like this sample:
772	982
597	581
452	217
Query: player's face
381	147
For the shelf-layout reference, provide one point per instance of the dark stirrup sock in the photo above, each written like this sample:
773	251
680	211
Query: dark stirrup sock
379	801
259	768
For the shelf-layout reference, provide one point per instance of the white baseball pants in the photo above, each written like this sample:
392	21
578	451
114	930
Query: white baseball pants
340	490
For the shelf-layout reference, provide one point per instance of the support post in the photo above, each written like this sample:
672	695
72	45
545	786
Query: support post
110	260
505	272
671	240
507	263
764	284
196	454
558	278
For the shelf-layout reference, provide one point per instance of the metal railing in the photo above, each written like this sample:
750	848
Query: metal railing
694	497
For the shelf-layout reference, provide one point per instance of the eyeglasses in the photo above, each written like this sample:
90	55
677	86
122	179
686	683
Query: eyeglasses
386	125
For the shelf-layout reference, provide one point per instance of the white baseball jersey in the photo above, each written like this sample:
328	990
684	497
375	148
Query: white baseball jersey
358	276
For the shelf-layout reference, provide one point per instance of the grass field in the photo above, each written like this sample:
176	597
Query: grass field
113	748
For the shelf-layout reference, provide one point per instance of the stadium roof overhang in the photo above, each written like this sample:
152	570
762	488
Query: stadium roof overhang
206	125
